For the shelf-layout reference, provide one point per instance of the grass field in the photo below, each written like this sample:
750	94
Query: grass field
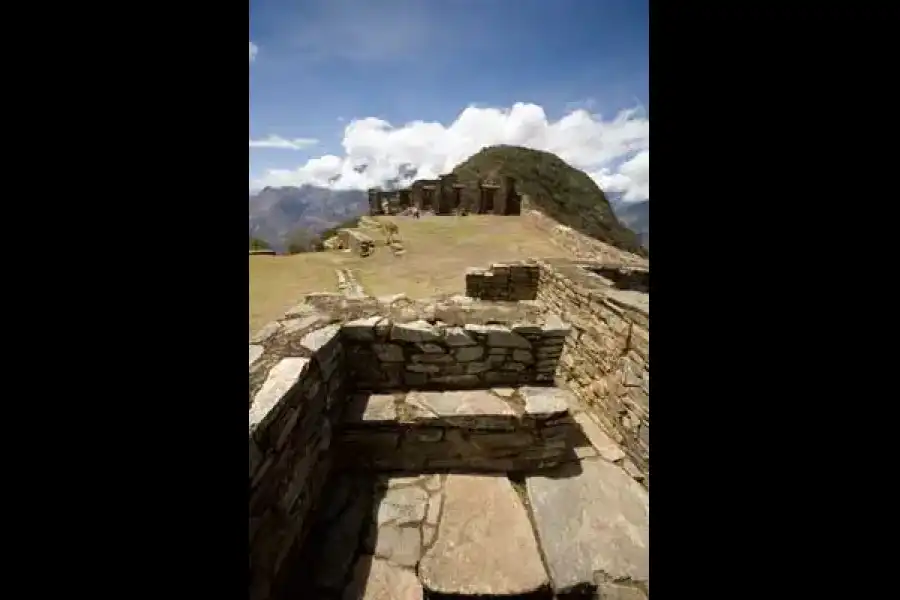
438	251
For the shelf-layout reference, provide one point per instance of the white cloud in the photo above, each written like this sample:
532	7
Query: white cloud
632	178
615	153
253	50
274	142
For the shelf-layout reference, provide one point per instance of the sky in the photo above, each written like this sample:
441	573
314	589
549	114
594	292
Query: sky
336	84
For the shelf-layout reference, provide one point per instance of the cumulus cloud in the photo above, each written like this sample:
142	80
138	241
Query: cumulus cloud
274	142
253	51
614	152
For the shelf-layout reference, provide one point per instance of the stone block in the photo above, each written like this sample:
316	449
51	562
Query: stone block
430	348
388	352
457	337
281	381
423	368
416	331
555	327
320	339
502	337
255	353
434	359
469	354
522	356
361	330
545	401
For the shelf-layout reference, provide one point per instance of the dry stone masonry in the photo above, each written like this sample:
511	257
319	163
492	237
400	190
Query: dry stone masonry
607	358
385	355
445	196
581	246
358	242
491	446
504	282
606	361
292	414
498	430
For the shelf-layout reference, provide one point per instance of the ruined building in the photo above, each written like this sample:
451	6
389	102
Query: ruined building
465	446
446	196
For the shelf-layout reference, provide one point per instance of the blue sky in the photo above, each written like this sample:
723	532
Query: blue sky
321	64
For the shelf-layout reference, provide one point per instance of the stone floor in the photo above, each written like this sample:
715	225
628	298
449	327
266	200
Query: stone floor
581	529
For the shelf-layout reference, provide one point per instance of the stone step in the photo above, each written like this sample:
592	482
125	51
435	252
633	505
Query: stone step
496	430
593	523
485	545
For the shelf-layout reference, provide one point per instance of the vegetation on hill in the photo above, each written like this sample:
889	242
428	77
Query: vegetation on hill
258	244
557	189
332	231
303	239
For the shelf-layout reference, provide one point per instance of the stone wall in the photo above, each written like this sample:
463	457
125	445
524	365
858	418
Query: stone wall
497	430
579	245
327	395
606	361
504	282
294	403
358	242
384	355
304	366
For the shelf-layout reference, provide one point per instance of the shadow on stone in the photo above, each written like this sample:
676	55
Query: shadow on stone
502	430
334	557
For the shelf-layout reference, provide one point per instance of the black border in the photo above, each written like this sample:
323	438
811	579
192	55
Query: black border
138	477
756	252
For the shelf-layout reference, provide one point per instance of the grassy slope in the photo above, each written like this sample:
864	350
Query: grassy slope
438	251
559	190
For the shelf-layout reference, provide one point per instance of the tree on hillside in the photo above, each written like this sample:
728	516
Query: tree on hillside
258	244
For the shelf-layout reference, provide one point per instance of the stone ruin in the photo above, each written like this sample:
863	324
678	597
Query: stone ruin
455	446
356	241
608	307
446	196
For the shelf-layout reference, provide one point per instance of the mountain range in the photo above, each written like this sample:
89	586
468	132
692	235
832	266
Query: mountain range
277	212
633	215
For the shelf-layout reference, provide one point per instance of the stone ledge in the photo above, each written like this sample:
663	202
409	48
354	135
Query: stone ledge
498	430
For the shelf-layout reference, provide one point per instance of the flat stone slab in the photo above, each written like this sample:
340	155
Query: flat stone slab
485	545
601	442
371	408
403	518
474	403
281	380
545	401
376	579
592	522
402	505
255	353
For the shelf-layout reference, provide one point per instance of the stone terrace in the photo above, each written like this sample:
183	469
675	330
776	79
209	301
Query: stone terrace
403	449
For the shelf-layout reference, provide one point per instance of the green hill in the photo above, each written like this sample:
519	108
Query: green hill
556	188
